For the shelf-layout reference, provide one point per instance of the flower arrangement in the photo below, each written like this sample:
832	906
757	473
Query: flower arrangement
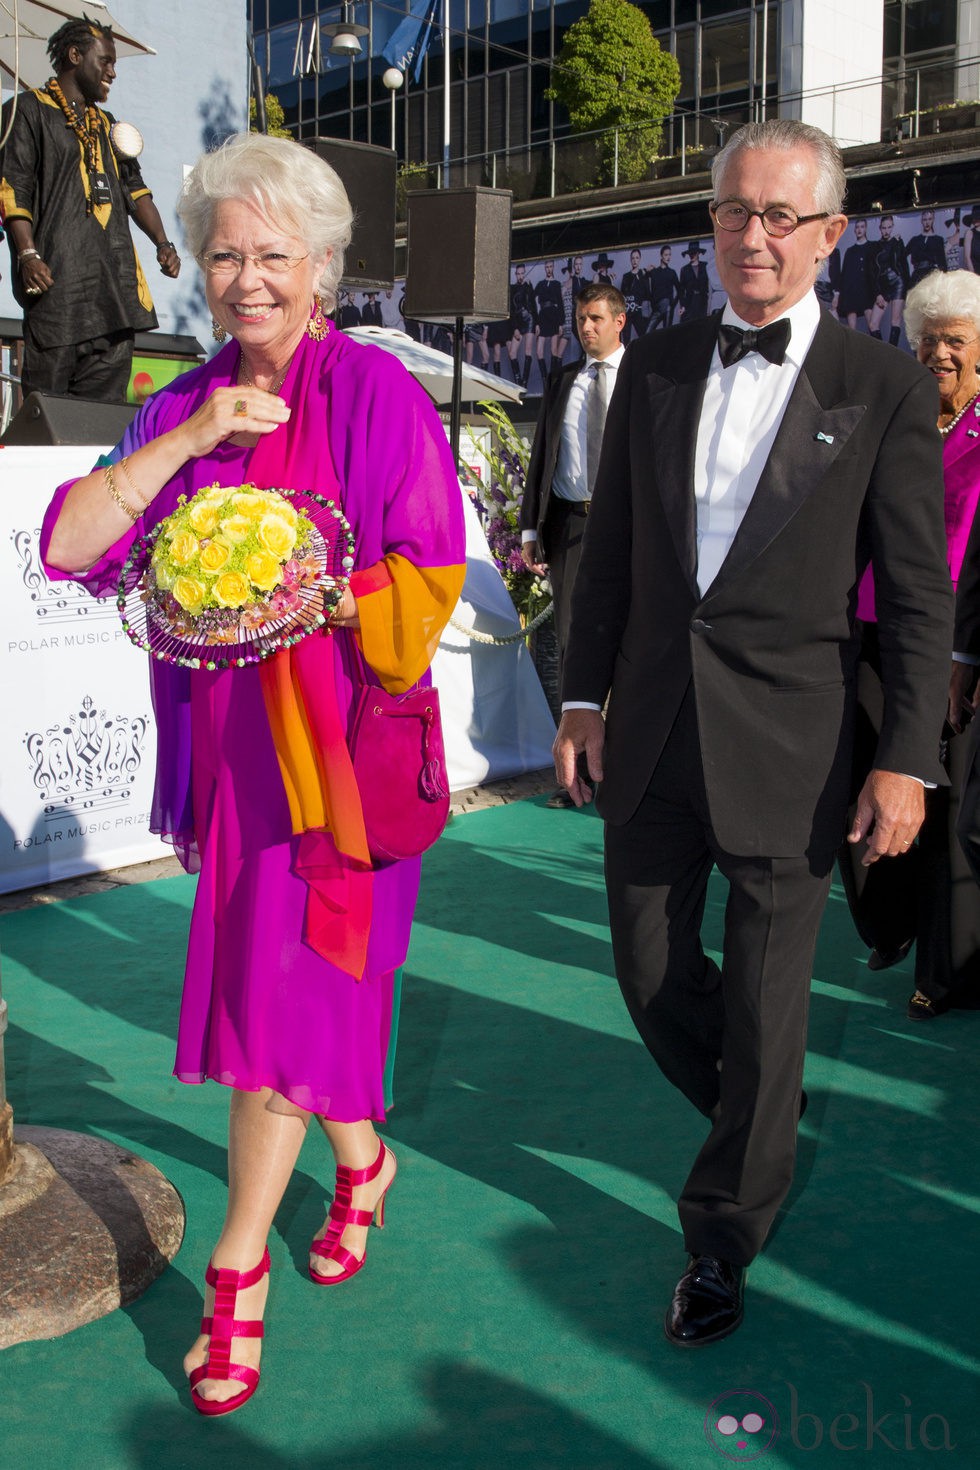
229	559
499	503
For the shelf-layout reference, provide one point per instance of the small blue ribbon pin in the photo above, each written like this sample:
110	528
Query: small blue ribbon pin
825	438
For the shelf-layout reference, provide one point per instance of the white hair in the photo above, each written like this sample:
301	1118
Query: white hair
289	184
787	134
942	297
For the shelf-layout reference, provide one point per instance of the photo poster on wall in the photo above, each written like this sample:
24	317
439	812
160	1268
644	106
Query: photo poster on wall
865	282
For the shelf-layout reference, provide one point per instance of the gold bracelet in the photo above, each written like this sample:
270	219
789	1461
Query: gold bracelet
124	466
110	484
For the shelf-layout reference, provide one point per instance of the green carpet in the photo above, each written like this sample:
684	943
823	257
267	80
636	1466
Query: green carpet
510	1314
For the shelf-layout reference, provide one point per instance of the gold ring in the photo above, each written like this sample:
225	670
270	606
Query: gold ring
241	407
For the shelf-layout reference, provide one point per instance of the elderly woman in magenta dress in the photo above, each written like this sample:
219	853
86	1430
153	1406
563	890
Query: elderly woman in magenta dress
295	936
928	896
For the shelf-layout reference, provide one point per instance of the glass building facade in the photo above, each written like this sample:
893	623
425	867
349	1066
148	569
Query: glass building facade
500	61
500	55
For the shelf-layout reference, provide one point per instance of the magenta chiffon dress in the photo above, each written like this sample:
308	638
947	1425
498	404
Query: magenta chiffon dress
261	1007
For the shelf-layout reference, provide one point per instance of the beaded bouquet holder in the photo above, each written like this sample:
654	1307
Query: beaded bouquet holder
235	574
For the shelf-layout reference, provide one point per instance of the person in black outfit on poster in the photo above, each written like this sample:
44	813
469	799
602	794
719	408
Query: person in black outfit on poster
551	317
524	320
636	291
891	280
857	294
66	196
926	252
693	290
664	292
371	310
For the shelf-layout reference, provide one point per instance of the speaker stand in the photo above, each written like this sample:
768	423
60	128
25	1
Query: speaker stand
456	409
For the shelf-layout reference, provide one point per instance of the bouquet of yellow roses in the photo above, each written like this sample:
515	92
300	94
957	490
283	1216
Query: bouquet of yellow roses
234	574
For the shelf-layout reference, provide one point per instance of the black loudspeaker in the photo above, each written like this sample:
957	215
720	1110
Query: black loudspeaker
368	175
458	255
45	419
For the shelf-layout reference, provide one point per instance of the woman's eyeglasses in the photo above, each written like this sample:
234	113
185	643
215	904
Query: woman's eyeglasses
955	344
228	263
777	219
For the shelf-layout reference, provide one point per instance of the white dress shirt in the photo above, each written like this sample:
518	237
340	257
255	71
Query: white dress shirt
741	413
571	479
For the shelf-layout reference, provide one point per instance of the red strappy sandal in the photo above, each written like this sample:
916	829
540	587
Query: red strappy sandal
222	1327
341	1215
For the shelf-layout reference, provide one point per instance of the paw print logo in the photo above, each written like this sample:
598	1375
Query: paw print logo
741	1425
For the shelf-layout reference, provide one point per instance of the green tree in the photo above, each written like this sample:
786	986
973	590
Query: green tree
612	73
275	118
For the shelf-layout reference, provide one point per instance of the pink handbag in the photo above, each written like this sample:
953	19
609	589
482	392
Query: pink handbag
399	763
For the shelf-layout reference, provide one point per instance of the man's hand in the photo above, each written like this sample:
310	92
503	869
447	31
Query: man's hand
168	260
890	810
581	730
35	276
529	556
961	706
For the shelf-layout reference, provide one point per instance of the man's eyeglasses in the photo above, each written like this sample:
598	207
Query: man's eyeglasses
229	264
931	341
778	219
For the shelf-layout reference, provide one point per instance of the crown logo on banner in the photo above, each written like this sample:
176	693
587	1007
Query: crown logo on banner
88	763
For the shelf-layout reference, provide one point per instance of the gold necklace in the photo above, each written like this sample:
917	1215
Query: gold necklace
945	429
245	379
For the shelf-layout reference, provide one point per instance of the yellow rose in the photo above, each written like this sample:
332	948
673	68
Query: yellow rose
263	570
165	578
203	517
285	508
277	536
183	548
213	557
231	589
252	506
189	592
235	528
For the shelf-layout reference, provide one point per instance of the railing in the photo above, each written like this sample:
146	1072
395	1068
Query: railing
686	141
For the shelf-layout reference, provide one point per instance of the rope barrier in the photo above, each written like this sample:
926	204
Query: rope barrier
476	637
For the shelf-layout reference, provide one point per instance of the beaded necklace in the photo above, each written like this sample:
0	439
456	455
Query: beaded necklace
971	403
87	135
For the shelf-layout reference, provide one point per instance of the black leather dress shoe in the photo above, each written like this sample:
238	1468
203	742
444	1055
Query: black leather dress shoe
707	1303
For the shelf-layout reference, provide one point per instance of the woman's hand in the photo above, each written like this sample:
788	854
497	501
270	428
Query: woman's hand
346	615
230	411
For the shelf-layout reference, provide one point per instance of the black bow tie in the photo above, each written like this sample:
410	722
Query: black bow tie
734	343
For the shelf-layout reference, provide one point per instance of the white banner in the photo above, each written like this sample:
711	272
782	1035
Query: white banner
77	744
77	739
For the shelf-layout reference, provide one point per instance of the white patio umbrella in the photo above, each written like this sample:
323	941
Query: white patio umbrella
25	26
434	369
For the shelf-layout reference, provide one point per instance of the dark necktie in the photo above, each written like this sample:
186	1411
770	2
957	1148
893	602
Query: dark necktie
596	403
734	343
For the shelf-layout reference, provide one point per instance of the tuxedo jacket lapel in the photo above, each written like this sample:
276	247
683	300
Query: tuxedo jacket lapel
815	428
675	398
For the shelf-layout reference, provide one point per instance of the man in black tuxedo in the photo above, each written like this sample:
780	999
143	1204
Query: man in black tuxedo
565	454
751	465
